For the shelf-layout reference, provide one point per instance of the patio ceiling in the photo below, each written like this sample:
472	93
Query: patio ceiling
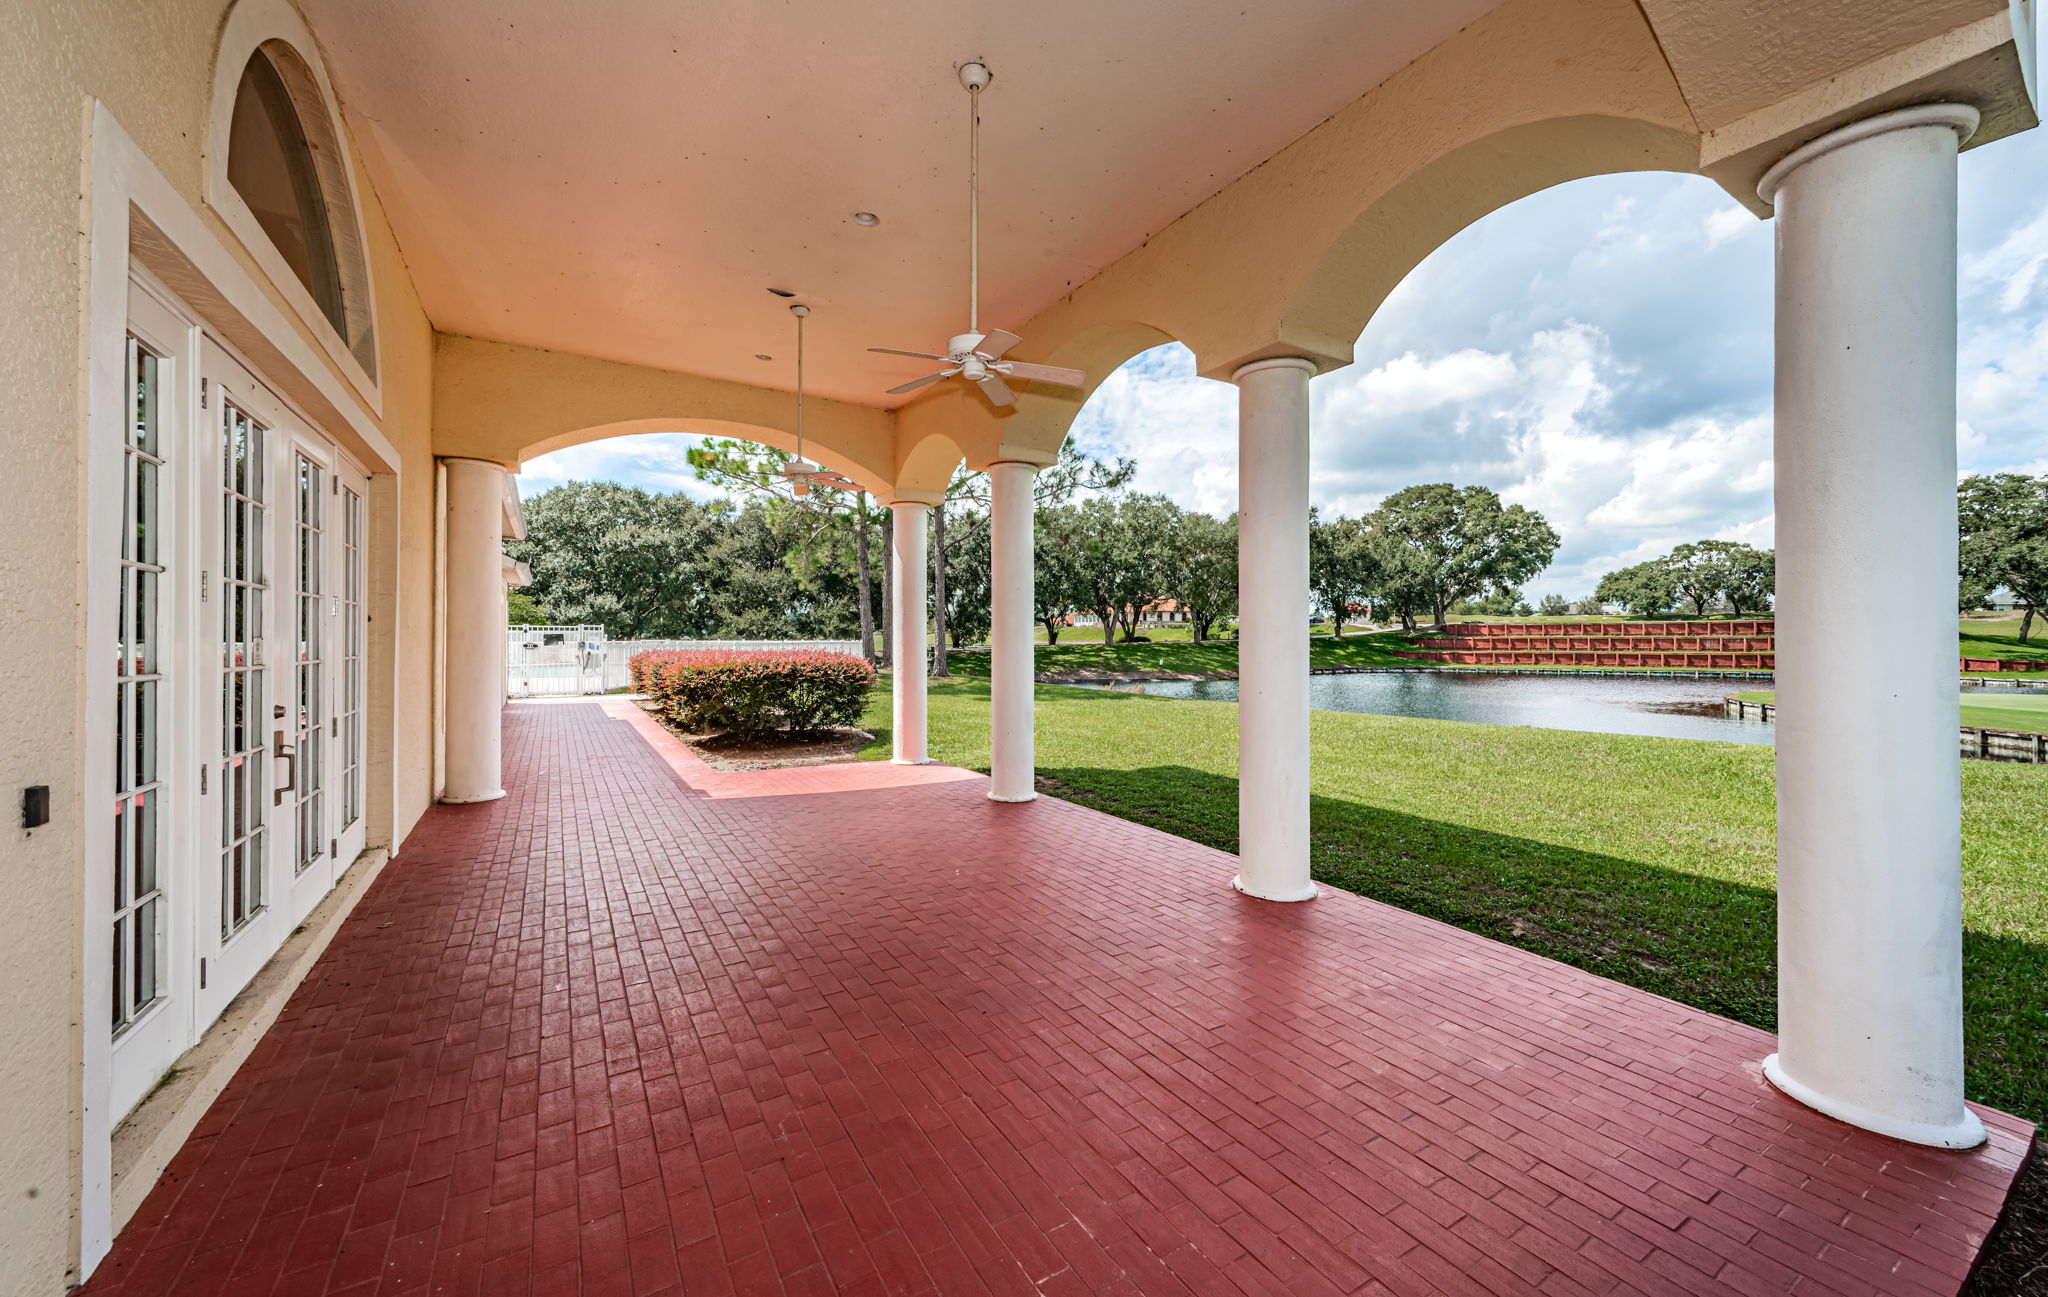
627	182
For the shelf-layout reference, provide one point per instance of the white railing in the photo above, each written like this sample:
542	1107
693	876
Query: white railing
559	661
622	651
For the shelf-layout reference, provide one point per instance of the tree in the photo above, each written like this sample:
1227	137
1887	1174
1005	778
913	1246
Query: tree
1705	572
1463	541
1056	571
2003	534
761	583
1201	570
1147	526
521	610
1644	589
621	557
1051	488
1406	587
1554	605
1501	603
1752	579
1344	565
1119	560
967	584
834	518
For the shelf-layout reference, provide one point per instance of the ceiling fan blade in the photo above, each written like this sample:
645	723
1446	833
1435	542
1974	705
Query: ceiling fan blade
996	390
1044	373
897	351
916	383
993	345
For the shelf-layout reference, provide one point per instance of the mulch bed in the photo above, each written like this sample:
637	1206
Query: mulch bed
769	751
2014	1262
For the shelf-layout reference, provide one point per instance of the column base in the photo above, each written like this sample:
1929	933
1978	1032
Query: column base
999	797
1967	1133
910	761
466	801
1308	892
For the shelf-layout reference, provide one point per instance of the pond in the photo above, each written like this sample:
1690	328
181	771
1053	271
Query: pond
1662	707
1659	706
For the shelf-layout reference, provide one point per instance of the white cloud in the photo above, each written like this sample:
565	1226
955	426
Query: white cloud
1181	429
2014	265
655	461
1725	224
1408	383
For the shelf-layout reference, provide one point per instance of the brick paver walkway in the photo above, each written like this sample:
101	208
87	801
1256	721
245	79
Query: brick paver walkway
645	1028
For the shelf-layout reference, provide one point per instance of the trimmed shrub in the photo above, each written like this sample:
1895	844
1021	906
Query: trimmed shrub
753	692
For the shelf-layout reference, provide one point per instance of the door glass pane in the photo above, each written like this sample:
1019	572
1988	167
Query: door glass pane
136	943
244	684
309	729
349	717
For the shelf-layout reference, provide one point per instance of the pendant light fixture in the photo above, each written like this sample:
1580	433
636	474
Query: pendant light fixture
802	473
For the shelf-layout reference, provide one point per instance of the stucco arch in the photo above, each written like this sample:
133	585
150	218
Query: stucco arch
1413	218
1034	428
504	402
1534	93
776	437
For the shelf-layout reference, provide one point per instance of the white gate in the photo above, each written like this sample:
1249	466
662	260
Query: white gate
544	661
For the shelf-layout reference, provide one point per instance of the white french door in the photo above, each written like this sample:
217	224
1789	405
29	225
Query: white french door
238	791
286	534
151	1019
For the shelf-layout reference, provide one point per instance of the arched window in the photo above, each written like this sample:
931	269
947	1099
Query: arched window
270	164
286	162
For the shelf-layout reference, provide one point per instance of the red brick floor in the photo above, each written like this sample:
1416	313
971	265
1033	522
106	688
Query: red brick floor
645	1028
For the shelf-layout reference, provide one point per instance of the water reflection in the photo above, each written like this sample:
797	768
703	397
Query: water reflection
1657	706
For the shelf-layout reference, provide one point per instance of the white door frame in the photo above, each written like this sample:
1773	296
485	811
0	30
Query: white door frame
145	1048
135	216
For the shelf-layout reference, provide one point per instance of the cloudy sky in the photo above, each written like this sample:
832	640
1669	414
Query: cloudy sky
1600	352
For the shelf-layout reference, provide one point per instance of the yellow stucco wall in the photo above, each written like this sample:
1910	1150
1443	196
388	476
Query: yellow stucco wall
152	67
500	401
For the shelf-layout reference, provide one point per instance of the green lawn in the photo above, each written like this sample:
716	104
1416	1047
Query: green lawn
1646	860
2000	638
2027	712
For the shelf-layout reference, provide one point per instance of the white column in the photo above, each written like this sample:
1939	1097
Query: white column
908	652
1870	1023
1012	511
476	630
1272	649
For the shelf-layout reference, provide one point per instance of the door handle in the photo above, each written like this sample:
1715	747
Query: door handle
290	756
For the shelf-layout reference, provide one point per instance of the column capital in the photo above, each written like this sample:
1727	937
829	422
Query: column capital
912	500
1960	118
468	459
1302	363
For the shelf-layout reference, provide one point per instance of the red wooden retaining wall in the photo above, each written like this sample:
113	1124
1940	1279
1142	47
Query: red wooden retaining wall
1732	645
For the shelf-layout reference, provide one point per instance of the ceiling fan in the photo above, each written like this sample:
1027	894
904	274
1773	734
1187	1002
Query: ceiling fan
974	355
802	474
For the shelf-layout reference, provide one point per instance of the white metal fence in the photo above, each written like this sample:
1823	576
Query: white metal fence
543	661
564	661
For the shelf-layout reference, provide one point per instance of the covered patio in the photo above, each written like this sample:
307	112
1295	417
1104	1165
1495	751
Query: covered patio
643	1027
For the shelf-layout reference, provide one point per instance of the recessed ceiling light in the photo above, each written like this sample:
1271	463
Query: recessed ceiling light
760	356
866	218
